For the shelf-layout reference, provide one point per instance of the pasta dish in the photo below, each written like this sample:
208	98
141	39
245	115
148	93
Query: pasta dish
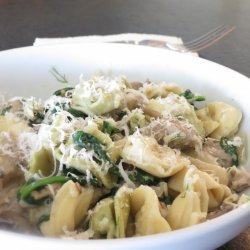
109	158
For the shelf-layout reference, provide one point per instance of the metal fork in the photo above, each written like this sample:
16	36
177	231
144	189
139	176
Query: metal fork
195	45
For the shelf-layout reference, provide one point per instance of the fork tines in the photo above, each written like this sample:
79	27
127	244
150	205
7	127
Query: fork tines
209	38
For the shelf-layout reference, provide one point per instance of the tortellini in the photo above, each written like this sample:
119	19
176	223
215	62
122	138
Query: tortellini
209	125
145	208
217	192
213	169
68	209
145	153
227	117
102	220
122	210
211	196
137	120
153	90
58	131
98	95
191	203
189	211
110	216
115	150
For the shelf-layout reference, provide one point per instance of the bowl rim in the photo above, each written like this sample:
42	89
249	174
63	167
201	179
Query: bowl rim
204	228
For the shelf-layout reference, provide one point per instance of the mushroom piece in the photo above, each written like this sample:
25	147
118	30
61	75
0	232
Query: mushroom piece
213	148
173	132
239	179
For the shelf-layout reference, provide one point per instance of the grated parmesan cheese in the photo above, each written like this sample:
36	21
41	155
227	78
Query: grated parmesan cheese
125	176
235	141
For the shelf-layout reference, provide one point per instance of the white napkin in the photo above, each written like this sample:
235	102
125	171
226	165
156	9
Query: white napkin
134	38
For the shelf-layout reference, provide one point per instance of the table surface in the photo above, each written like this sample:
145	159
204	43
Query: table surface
23	20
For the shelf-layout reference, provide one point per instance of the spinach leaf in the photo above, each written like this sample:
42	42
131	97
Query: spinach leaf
33	184
230	149
168	200
42	219
25	191
76	113
143	178
79	177
62	92
5	110
109	129
38	118
191	97
90	142
121	114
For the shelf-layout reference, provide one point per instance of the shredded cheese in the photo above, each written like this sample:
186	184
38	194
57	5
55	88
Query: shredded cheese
125	176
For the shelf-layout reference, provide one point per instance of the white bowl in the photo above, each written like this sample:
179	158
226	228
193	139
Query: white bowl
25	72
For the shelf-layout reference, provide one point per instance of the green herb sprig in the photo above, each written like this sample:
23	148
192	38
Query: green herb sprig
59	77
109	129
90	142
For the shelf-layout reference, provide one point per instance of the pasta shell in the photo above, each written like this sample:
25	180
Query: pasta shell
145	209
69	207
227	116
102	220
122	210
